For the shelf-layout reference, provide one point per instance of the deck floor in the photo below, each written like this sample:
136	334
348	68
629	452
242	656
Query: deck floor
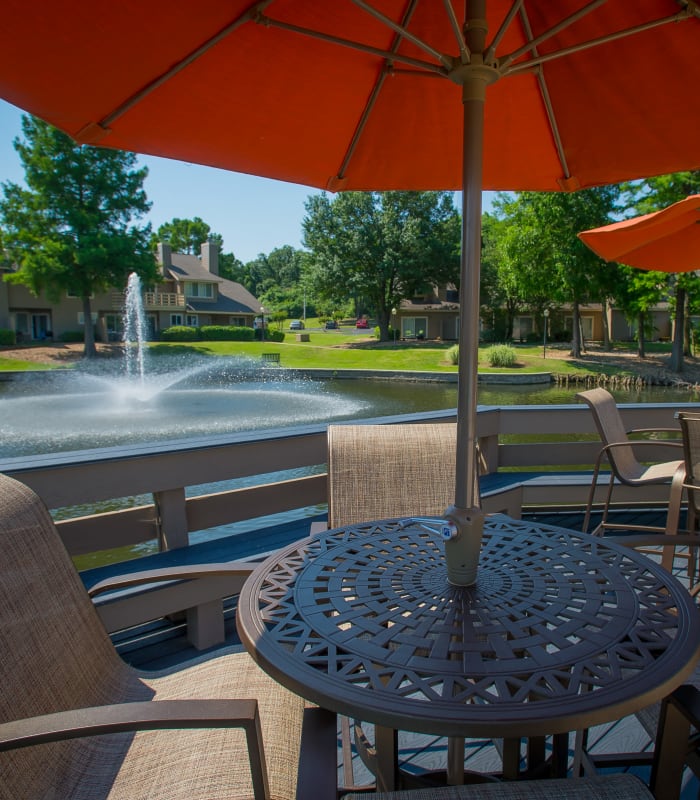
162	644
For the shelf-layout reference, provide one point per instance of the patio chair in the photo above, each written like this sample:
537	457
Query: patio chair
384	471
672	724
687	478
77	722
619	451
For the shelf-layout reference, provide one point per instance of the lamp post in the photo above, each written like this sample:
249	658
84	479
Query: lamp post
262	330
393	323
546	322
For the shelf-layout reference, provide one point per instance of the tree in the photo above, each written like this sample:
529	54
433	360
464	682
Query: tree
543	249
381	247
188	235
654	194
70	230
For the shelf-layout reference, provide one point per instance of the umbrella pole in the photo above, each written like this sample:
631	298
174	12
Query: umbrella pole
463	548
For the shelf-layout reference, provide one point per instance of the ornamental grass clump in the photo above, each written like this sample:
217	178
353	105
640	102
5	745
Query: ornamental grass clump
501	355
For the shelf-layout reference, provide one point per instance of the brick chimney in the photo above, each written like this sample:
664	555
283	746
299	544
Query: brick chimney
164	257
210	257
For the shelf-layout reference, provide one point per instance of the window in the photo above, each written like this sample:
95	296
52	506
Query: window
176	319
41	327
414	327
191	320
193	289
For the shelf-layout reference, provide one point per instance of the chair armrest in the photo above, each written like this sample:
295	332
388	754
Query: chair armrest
239	569
677	431
149	715
645	442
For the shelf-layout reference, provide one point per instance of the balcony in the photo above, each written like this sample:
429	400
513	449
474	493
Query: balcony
258	475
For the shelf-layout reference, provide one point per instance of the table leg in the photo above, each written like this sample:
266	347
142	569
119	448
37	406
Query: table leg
455	761
560	755
511	759
387	746
535	754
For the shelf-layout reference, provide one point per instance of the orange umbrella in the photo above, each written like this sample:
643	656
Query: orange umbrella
666	241
377	94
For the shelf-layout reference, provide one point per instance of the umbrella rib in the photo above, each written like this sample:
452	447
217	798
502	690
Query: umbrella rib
372	99
500	33
444	59
464	53
525	66
565	23
353	45
544	89
135	98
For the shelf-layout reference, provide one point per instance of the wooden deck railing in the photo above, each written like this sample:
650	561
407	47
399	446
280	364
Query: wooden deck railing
510	437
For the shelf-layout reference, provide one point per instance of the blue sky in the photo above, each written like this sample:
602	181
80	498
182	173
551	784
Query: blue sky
254	215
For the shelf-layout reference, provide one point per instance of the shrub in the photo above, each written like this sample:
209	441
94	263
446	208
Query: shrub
7	337
453	354
501	355
180	333
270	335
226	333
72	336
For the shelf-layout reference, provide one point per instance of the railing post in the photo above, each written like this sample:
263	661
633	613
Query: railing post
171	518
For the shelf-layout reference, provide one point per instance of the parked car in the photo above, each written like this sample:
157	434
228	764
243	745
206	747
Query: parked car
296	325
362	323
331	325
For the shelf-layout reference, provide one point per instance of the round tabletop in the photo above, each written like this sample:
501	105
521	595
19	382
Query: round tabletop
561	631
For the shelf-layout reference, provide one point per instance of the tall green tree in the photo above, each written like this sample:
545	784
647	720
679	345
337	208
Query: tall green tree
381	247
543	247
71	229
683	289
188	235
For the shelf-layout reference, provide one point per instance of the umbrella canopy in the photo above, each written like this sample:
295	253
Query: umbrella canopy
377	94
367	95
667	240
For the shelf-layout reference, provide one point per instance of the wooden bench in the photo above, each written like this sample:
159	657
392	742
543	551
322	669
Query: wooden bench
270	358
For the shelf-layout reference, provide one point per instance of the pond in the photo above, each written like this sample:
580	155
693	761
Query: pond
78	410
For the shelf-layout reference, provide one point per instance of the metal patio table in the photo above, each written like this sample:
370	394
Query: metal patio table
562	631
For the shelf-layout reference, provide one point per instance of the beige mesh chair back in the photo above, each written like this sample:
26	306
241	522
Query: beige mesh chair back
618	450
55	656
385	471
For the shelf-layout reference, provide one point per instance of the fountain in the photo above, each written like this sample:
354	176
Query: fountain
161	398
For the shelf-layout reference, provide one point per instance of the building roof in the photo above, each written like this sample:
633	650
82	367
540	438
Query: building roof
190	268
232	297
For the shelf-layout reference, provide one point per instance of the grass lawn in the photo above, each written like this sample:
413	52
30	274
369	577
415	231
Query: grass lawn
350	349
336	350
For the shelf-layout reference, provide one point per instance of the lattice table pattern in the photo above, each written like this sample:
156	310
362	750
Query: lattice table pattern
562	630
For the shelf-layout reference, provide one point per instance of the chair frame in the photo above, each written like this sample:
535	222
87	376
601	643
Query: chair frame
619	453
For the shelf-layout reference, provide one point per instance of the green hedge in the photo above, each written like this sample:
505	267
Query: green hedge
270	335
226	333
7	337
180	333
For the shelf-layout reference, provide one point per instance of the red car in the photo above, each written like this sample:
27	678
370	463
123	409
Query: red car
362	323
